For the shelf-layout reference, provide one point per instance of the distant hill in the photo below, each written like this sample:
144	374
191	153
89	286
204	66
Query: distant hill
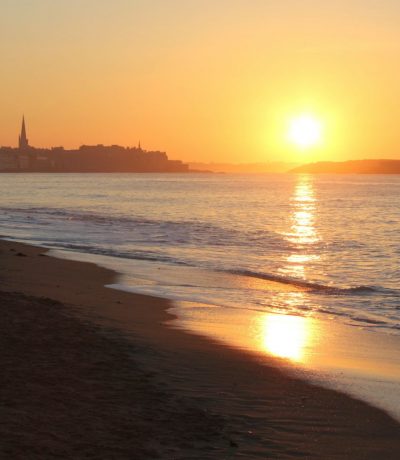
351	167
270	167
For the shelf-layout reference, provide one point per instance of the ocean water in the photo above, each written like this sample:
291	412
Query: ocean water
264	262
219	239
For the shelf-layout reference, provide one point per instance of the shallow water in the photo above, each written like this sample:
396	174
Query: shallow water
238	254
300	244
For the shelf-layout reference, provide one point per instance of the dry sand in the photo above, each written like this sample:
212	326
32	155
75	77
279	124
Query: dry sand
90	372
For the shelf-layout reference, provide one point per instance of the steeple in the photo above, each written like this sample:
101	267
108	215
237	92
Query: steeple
23	141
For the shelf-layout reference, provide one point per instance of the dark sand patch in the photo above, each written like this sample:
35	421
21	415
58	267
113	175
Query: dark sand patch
72	390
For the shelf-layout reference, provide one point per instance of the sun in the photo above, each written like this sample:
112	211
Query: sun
305	131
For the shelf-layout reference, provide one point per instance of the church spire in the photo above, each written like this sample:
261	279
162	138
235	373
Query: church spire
23	141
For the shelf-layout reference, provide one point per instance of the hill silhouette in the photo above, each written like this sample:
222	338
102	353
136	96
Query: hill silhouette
381	166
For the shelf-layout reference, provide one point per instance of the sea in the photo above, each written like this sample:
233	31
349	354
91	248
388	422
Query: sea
229	248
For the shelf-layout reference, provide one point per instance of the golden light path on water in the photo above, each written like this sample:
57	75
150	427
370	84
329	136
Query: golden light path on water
281	332
288	336
303	216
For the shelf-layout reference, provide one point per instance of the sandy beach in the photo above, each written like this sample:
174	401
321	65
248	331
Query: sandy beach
91	372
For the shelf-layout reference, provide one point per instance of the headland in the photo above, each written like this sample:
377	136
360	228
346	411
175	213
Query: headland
380	166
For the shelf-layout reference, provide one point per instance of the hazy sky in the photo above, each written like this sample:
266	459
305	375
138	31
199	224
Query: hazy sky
209	80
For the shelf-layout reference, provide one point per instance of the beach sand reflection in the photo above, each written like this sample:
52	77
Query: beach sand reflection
286	336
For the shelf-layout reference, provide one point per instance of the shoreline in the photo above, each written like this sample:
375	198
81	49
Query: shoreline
270	414
358	361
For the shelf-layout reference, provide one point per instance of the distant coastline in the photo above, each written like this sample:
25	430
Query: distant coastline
350	167
88	159
243	168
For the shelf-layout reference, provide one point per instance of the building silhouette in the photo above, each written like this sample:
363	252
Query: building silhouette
23	140
88	158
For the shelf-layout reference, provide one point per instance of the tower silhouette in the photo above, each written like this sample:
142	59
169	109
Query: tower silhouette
22	140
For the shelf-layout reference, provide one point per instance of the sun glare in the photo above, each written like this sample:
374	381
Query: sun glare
286	336
305	131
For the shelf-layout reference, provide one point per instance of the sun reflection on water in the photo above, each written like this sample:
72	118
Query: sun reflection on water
286	336
303	234
303	229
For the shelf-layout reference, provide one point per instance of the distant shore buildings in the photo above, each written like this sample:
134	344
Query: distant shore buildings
97	158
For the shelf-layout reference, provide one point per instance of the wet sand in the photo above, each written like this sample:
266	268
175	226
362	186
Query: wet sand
91	372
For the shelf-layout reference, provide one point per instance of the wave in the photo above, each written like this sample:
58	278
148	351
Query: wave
310	286
132	254
169	241
142	229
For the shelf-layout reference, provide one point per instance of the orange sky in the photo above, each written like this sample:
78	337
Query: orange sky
204	80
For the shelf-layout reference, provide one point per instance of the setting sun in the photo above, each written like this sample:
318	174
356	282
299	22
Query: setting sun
305	131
